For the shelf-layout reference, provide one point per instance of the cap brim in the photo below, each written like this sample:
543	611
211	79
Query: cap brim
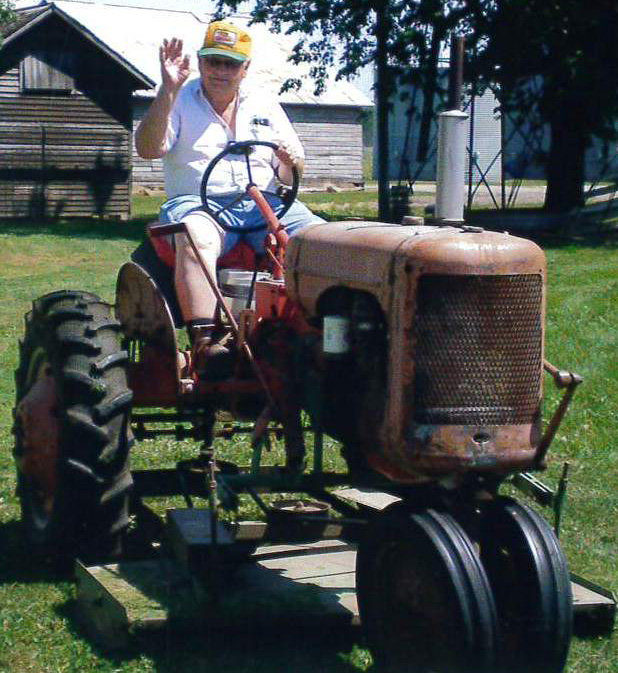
212	51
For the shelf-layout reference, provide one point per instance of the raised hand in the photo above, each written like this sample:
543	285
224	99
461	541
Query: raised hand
174	64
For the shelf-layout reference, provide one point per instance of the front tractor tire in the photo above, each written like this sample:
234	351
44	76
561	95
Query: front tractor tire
72	434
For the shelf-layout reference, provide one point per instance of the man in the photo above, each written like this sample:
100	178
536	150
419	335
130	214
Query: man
188	124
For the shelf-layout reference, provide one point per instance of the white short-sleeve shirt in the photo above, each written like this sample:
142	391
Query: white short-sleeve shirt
196	134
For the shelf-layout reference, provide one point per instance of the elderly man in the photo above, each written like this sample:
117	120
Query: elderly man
188	124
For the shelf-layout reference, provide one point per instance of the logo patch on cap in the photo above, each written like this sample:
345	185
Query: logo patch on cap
224	37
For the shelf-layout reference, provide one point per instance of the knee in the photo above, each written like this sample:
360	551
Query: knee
205	234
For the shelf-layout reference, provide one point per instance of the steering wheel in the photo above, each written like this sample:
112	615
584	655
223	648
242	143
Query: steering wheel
284	194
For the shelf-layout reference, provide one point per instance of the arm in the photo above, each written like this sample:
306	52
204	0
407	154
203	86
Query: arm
151	134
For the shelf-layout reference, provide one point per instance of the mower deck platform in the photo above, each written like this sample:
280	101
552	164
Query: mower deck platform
279	583
286	583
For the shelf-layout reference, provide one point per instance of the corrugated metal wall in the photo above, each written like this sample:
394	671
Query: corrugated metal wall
404	163
484	135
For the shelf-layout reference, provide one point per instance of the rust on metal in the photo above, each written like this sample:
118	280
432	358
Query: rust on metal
465	315
37	416
142	309
563	379
154	376
156	364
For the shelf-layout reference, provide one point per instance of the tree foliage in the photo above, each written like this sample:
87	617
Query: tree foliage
339	35
6	11
6	15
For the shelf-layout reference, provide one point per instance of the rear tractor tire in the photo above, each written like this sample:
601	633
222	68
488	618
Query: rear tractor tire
72	434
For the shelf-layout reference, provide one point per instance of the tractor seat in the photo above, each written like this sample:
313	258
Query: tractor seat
157	257
241	256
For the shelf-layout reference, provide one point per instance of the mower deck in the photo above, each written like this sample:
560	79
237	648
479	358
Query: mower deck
278	583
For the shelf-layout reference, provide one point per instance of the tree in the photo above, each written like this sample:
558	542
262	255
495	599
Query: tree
6	12
341	34
345	35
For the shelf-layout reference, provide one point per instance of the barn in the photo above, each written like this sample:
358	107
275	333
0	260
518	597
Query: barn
90	116
65	120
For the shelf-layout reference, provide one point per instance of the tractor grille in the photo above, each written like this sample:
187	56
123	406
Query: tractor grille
478	349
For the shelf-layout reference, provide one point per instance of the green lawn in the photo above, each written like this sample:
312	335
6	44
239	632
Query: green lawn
38	633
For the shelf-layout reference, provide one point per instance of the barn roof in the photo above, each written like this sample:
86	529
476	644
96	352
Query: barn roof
27	19
134	34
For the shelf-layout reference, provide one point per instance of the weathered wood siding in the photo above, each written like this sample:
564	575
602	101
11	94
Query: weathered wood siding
333	142
332	138
65	155
146	172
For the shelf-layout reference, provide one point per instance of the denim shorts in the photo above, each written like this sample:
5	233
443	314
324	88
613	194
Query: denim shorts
243	214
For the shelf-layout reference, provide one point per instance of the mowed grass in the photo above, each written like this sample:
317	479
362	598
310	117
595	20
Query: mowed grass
38	630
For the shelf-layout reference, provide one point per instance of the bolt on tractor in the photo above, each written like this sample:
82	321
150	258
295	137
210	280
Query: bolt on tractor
418	348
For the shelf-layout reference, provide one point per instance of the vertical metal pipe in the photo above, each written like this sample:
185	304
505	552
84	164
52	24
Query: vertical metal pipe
502	159
382	91
471	150
455	72
451	169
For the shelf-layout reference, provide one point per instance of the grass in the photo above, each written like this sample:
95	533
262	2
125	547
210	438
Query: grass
38	631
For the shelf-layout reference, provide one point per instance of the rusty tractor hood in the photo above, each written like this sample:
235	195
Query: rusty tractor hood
474	340
364	255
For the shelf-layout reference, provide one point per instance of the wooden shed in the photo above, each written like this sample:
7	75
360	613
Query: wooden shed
65	119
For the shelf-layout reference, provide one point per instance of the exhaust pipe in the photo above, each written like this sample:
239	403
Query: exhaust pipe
450	172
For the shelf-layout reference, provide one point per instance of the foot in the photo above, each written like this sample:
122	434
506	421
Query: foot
211	359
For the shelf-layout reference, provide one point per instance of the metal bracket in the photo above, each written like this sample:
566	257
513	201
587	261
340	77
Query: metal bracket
562	379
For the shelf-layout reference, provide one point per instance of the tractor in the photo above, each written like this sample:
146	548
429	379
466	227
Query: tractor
418	348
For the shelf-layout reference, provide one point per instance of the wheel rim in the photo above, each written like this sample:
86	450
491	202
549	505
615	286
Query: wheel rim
531	584
39	431
418	607
425	602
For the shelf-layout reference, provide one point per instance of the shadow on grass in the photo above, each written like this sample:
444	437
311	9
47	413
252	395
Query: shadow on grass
592	226
247	646
251	643
86	228
19	565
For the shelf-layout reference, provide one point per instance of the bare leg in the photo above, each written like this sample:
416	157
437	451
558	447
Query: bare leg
195	297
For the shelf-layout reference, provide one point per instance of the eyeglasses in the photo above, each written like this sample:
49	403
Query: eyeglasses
225	63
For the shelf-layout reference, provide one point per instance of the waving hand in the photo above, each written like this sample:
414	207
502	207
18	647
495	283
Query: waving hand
174	64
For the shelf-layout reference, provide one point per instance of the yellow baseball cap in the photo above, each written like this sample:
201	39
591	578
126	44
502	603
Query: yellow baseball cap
225	39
